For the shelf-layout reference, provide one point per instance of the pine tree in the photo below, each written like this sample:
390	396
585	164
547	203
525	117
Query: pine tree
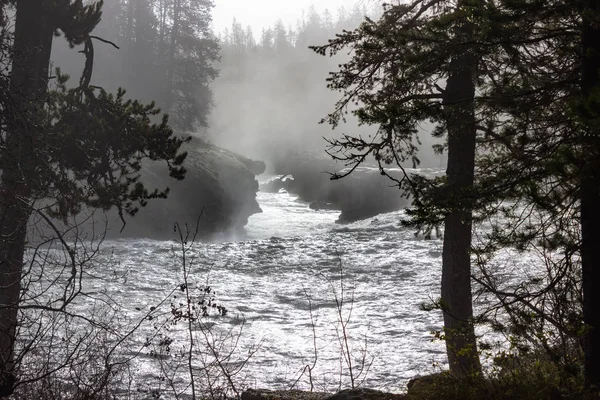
590	187
459	117
394	76
536	115
68	148
281	42
167	54
551	139
192	49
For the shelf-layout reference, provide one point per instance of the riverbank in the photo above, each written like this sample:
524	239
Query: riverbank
349	394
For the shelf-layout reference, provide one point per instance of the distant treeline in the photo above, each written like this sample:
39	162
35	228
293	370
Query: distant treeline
260	94
271	90
309	30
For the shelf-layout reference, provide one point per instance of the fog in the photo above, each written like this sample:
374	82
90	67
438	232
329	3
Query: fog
270	92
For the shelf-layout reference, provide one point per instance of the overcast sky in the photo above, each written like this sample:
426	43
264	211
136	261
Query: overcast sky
264	13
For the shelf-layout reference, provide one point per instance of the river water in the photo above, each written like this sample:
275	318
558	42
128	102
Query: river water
281	280
292	255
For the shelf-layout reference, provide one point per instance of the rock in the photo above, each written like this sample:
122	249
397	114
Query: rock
350	394
254	166
275	185
366	193
310	174
365	394
424	386
219	188
425	379
264	394
363	194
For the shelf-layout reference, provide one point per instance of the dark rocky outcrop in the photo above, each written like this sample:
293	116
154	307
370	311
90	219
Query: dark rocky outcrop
349	394
220	185
363	194
275	185
366	193
265	394
423	385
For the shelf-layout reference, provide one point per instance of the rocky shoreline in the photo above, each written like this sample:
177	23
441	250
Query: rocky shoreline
419	388
220	187
218	194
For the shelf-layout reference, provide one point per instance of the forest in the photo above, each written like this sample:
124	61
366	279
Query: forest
136	113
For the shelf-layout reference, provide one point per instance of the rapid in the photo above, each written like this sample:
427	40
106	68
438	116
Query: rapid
279	284
292	256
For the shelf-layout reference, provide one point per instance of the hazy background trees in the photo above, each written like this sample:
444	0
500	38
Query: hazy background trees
271	91
166	54
252	92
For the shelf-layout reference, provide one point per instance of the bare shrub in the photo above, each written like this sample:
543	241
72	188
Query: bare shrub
354	362
197	348
73	341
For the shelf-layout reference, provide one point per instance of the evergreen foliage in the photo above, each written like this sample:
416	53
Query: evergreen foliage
536	116
107	138
167	55
67	148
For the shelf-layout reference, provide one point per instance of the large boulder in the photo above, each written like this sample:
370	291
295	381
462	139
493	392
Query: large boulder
266	394
365	394
218	195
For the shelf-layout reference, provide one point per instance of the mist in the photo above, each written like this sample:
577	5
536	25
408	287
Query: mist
272	93
260	95
266	92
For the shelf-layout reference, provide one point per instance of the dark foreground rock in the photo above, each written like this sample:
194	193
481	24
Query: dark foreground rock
350	394
421	386
219	191
365	394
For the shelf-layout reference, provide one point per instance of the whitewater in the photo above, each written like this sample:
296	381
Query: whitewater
279	284
290	255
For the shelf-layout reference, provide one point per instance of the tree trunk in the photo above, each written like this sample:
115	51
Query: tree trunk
171	56
129	28
162	22
29	79
590	192
457	304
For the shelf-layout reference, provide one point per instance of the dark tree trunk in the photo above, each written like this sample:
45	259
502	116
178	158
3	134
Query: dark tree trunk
590	192
172	53
29	79
457	305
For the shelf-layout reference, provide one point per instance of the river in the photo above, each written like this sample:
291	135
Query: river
281	280
291	255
